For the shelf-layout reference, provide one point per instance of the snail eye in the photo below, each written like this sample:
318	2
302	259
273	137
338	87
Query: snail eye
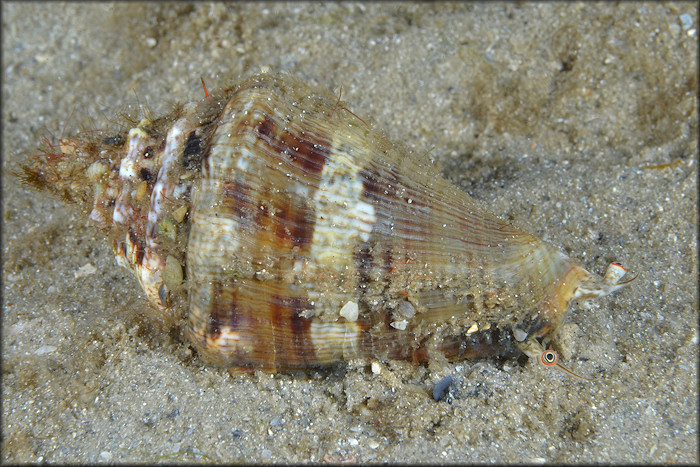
549	358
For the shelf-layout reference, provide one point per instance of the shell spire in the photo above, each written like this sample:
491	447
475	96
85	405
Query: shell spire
291	235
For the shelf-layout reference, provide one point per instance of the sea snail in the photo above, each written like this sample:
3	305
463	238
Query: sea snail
289	235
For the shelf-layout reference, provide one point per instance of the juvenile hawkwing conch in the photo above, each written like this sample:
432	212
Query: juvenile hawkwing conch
290	235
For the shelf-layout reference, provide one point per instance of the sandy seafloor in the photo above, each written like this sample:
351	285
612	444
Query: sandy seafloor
576	122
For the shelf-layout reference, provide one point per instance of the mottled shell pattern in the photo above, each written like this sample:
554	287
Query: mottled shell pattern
288	234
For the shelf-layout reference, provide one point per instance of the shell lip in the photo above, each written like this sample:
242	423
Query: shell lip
562	292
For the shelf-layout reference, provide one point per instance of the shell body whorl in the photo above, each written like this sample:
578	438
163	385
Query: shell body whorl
290	235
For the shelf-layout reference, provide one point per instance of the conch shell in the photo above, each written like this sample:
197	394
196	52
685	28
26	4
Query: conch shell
290	235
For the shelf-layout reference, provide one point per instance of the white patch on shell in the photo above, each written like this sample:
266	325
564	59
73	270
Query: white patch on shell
147	272
96	170
138	142
98	218
128	172
343	218
172	155
229	339
224	231
127	168
122	213
325	338
242	164
238	156
149	275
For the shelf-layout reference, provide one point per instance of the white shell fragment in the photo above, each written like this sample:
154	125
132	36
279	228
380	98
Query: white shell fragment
519	335
350	311
406	309
399	324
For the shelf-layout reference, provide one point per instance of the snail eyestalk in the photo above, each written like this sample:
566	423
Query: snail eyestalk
548	357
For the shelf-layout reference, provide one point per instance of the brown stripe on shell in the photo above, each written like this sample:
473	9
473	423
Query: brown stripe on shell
376	187
138	245
192	153
272	226
385	342
232	328
290	217
253	325
293	347
379	340
306	152
236	200
283	224
224	311
294	224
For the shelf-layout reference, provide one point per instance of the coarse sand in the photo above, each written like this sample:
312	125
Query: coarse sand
576	122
